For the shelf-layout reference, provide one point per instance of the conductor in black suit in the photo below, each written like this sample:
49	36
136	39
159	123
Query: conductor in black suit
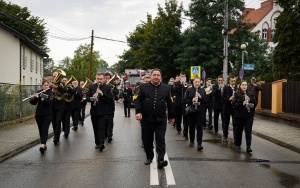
99	95
153	100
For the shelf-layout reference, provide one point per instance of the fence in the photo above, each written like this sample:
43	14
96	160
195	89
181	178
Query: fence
11	105
291	97
266	96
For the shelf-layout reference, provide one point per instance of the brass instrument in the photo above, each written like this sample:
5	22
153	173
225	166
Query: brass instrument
208	90
68	96
60	73
114	81
85	88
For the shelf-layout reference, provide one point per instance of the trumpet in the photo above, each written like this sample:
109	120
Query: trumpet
248	105
41	94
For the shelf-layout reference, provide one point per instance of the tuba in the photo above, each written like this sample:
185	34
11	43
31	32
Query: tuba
68	95
114	81
60	73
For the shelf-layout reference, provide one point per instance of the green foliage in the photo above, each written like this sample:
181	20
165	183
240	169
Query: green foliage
154	43
286	59
20	19
80	64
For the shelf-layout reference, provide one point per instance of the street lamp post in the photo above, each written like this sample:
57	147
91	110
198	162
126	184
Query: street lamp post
243	48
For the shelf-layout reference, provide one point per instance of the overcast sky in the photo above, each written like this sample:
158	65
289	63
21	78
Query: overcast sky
112	19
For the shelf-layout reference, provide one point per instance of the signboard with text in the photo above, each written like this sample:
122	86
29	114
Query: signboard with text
248	66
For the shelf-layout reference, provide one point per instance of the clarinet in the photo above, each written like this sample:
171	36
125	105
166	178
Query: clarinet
96	101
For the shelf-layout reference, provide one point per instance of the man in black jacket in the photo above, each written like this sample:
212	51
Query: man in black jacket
127	96
228	97
99	95
217	102
151	104
77	104
208	100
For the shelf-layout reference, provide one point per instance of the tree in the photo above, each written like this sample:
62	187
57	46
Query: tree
80	64
154	43
22	21
286	59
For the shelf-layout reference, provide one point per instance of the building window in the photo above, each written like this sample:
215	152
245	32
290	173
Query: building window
41	67
24	62
265	34
36	67
31	65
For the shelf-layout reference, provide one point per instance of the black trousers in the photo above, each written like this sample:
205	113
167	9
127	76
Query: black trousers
110	124
75	116
99	127
57	120
127	105
244	123
196	121
178	117
227	114
185	124
209	109
148	131
82	112
43	123
217	113
66	125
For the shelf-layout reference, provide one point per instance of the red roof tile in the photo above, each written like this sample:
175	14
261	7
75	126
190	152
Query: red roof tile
255	16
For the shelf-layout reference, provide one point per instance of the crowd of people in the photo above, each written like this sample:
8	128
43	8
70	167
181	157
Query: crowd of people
189	107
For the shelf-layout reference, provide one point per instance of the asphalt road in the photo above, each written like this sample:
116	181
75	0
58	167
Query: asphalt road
75	162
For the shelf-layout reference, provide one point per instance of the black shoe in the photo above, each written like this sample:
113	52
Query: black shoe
210	127
55	142
75	128
199	147
148	162
224	139
101	148
128	115
82	123
162	164
109	140
66	135
237	148
249	150
125	115
42	150
191	144
97	146
178	132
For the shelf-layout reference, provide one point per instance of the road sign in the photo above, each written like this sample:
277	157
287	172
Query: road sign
195	71
248	66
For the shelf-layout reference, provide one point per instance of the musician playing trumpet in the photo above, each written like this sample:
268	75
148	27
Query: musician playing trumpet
43	114
99	95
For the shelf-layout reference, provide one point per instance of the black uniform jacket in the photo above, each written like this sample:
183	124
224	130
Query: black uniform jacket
217	97
44	108
240	109
127	94
152	102
179	92
227	93
208	100
190	94
102	106
77	97
115	93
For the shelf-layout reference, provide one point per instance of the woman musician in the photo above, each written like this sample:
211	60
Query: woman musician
244	102
43	114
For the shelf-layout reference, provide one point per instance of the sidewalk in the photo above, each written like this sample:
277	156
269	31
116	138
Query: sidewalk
18	137
21	136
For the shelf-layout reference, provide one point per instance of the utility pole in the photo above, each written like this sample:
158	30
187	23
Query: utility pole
225	35
91	54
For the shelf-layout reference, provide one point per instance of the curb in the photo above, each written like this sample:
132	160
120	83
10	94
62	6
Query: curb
278	142
28	145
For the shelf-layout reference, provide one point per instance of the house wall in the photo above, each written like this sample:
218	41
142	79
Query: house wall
268	20
10	53
9	58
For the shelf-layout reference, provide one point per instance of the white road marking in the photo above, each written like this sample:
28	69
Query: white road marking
154	171
169	172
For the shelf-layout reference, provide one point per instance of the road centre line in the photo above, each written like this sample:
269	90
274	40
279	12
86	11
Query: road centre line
169	172
154	171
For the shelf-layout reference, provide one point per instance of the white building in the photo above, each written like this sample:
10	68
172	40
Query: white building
20	59
264	19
